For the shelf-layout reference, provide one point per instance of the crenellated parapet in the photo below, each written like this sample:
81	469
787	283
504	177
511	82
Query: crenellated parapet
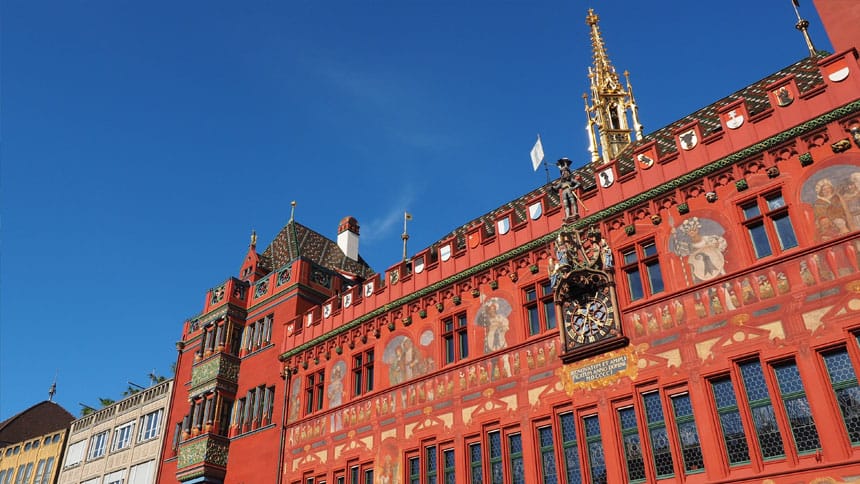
647	192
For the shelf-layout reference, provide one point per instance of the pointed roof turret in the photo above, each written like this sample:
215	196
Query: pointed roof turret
251	269
610	102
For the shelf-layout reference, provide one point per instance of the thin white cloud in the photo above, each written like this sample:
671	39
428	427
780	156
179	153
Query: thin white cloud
390	222
398	101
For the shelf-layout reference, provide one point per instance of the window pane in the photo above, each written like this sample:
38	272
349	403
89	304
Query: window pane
630	257
475	463
549	314
655	277
730	421
356	382
496	472
549	471
414	470
534	320
767	430
546	289
632	445
797	407
571	449
649	250
515	449
751	211
774	202
464	344
531	294
784	232
634	284
596	460
449	463
758	237
691	449
844	383
431	464
660	446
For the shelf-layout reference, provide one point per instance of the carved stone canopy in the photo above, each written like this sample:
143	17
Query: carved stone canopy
581	255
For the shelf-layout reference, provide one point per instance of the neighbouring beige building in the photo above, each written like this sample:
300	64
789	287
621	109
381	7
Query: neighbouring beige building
119	444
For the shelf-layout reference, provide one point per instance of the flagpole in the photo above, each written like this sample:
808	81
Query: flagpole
546	167
405	235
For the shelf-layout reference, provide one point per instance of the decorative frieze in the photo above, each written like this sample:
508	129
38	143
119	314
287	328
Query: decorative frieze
220	368
205	451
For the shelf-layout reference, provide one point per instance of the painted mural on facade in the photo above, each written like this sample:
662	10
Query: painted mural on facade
335	393
406	360
295	390
493	317
833	194
749	290
388	468
699	242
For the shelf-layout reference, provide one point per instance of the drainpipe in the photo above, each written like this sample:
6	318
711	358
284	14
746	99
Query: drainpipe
287	375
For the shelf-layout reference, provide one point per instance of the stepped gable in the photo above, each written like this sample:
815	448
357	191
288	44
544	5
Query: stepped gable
807	76
295	240
40	419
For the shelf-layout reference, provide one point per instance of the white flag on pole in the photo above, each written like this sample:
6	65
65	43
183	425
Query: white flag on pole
537	154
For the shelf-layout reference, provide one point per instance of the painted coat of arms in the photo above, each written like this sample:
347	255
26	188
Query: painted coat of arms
700	242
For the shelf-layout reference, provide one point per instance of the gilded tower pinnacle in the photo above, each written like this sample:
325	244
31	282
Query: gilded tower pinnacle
608	128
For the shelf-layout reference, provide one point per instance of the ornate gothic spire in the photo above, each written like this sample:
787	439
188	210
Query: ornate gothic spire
611	102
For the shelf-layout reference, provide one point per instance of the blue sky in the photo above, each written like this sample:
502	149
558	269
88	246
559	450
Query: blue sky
143	141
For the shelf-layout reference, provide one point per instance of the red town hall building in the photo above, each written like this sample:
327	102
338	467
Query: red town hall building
685	307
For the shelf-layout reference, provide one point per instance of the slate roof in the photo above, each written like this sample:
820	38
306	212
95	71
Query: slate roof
40	419
807	76
295	240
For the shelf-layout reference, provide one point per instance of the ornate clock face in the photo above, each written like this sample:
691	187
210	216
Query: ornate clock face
588	320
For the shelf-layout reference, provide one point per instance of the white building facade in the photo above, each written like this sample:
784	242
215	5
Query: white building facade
119	444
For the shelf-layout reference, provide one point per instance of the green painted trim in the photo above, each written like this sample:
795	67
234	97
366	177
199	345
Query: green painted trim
594	218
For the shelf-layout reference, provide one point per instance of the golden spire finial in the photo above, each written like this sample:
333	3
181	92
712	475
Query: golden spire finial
611	102
253	238
604	73
803	26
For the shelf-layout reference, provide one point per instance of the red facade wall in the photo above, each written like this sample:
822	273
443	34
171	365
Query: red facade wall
726	324
704	326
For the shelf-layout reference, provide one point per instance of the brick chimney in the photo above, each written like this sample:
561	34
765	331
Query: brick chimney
347	237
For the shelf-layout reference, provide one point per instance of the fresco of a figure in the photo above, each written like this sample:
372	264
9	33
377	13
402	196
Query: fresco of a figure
700	243
833	194
335	394
405	360
295	388
388	463
493	317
